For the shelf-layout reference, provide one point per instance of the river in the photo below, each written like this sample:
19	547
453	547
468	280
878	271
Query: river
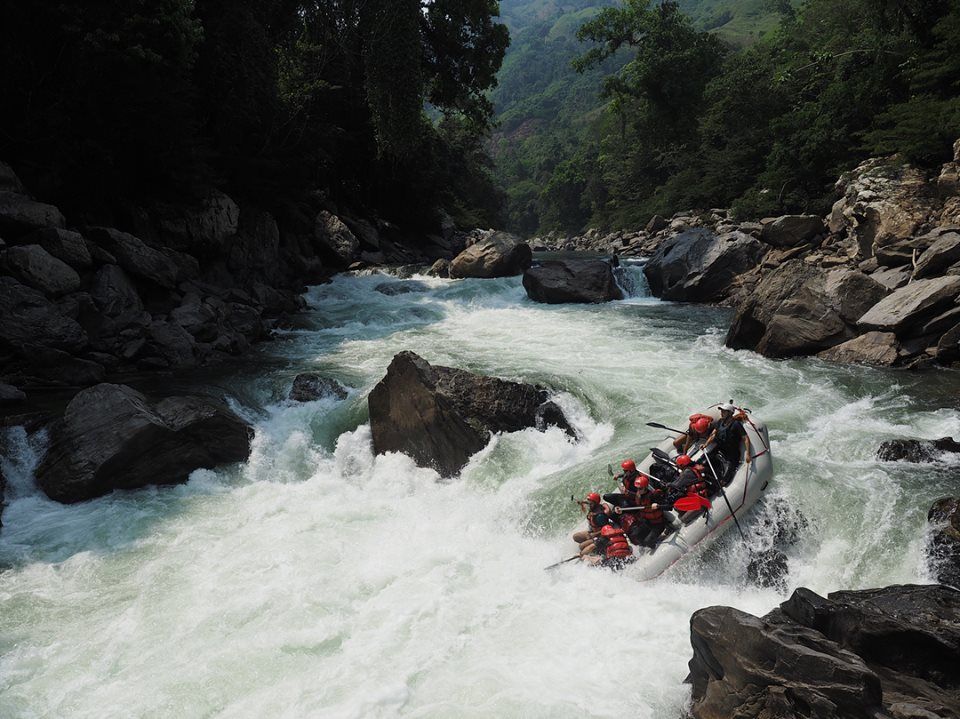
317	580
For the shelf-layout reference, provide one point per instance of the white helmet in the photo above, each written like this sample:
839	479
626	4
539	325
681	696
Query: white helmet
727	408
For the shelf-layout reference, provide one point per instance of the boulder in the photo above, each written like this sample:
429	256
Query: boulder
172	343
943	549
948	346
892	277
907	306
26	316
309	386
583	281
65	245
440	416
10	395
334	235
792	230
255	252
916	450
20	215
743	666
499	255
890	652
852	293
113	292
136	257
440	268
9	182
111	437
196	317
699	266
943	252
34	266
790	313
656	223
879	349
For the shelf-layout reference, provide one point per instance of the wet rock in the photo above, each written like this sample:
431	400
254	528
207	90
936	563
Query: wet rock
440	268
908	305
113	292
172	343
136	257
26	316
577	281
20	215
197	318
401	288
10	395
879	349
308	387
792	230
440	416
744	666
9	182
111	437
499	255
916	450
699	266
34	266
65	245
935	260
550	414
334	235
768	568
944	544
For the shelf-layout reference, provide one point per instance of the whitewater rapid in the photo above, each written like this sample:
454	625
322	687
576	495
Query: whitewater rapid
317	580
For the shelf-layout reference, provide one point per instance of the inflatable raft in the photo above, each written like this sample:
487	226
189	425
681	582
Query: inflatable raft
699	529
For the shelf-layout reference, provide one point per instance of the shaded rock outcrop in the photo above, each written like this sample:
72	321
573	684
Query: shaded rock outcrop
879	349
499	255
700	266
917	450
903	309
943	550
309	386
440	416
890	652
111	437
575	281
792	230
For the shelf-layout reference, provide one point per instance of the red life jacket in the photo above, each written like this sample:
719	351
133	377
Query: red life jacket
617	546
701	486
653	516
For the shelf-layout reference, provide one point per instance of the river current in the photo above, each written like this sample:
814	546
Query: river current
317	580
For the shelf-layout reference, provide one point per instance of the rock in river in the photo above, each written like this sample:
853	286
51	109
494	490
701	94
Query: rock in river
500	255
917	450
112	437
944	543
584	281
310	386
440	416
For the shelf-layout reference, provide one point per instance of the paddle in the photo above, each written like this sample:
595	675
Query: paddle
684	504
657	425
570	559
724	495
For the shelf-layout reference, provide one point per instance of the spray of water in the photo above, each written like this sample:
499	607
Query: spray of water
319	580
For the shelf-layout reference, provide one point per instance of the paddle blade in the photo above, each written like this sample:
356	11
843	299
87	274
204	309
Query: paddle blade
691	504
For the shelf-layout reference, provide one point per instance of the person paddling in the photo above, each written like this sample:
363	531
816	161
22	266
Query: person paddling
597	517
650	521
627	496
700	428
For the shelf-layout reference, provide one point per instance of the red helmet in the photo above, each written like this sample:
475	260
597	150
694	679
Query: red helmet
642	482
593	497
701	425
628	465
683	461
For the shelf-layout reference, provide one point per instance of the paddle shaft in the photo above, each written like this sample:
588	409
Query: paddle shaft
724	495
570	559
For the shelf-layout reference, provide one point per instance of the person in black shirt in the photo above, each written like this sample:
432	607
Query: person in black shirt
732	441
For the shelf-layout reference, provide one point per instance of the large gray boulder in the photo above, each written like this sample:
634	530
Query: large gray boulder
26	316
943	547
333	234
879	349
440	416
699	266
499	255
114	292
20	215
935	260
34	266
65	245
136	257
890	652
204	229
792	230
310	386
582	281
904	308
111	437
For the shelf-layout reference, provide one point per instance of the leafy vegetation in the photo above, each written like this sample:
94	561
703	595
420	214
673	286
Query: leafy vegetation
133	98
691	118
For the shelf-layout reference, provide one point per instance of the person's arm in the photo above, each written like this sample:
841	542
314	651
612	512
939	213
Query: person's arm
746	446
